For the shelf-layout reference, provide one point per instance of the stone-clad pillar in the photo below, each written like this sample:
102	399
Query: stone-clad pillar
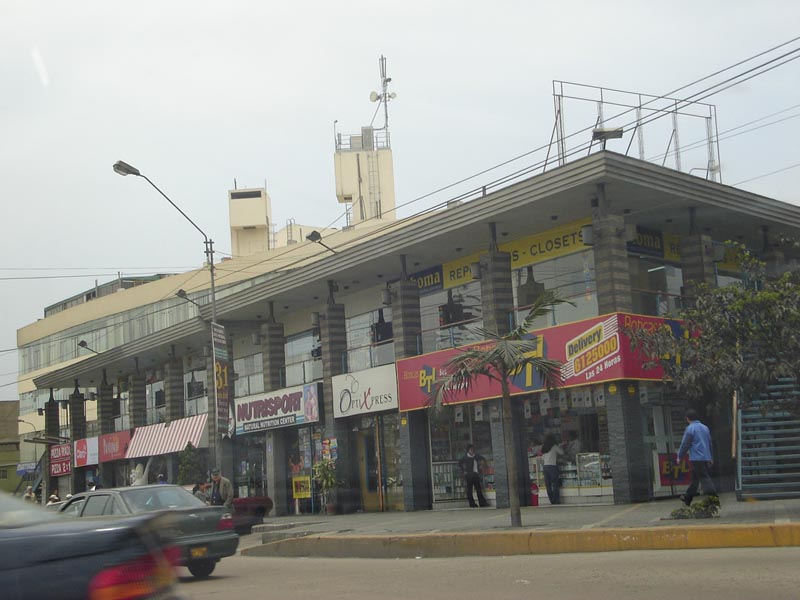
137	400
610	257
414	440
273	352
52	429
629	456
497	296
77	431
697	263
106	407
334	352
174	390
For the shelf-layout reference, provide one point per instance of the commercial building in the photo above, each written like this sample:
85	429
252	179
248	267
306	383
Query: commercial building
334	343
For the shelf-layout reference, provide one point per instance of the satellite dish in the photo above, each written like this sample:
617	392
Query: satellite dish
374	96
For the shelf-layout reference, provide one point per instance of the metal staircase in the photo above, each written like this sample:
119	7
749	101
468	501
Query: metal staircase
769	444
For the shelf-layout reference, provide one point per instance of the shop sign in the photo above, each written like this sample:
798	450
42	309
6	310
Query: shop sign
113	446
655	243
591	351
672	472
60	460
86	452
221	380
26	468
559	241
301	487
429	280
297	405
368	391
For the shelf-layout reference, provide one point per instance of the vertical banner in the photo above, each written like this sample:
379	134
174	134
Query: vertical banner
221	365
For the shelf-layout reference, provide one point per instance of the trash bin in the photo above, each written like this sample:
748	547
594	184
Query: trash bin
534	494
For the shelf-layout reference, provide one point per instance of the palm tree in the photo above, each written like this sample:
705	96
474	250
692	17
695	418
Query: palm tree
499	359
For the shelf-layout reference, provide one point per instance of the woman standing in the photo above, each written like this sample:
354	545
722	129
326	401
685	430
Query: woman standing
550	452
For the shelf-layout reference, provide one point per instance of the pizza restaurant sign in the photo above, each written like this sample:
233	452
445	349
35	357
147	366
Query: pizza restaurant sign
60	460
591	351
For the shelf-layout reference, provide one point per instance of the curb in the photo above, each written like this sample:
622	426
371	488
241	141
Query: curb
444	545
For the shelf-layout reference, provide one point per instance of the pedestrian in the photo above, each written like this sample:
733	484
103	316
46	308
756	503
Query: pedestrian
53	498
199	491
550	452
573	446
161	478
471	466
29	496
221	490
696	443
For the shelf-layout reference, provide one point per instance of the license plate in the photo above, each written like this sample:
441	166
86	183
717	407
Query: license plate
199	552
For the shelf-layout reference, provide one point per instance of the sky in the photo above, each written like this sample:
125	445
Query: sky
197	94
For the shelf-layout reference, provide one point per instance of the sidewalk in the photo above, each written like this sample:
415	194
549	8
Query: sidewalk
546	529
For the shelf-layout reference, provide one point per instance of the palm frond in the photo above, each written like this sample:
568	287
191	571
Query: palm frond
542	306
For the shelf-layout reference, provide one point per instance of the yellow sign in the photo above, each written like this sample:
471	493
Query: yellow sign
301	487
457	272
550	244
672	247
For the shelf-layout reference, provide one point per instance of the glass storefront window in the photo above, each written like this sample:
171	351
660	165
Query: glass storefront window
370	340
572	277
450	317
250	372
302	366
655	286
155	401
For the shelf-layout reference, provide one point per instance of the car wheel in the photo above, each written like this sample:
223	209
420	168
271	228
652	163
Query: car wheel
201	568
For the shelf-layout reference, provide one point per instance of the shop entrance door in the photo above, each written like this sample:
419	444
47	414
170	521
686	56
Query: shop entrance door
368	469
663	432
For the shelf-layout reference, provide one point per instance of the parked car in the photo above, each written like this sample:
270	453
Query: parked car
250	511
43	556
203	534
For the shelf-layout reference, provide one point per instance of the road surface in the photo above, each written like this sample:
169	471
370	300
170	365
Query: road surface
730	574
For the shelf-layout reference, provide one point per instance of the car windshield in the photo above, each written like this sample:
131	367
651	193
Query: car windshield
16	513
147	499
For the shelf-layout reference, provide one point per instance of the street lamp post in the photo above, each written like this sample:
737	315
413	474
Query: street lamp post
217	332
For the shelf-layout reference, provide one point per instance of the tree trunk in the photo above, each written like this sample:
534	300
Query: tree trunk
511	457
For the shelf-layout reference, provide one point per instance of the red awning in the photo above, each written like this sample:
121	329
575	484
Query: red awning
165	438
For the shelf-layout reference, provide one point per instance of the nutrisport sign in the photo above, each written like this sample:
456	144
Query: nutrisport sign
362	392
297	405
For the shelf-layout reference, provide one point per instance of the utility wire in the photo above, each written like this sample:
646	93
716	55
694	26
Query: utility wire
794	166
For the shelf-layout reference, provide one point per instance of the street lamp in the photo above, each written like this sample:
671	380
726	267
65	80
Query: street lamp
218	347
316	236
83	344
183	296
123	168
27	423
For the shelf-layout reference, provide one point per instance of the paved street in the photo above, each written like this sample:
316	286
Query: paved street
767	573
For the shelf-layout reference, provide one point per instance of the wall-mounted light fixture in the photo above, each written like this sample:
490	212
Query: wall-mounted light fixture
183	296
315	319
83	344
476	270
316	237
587	235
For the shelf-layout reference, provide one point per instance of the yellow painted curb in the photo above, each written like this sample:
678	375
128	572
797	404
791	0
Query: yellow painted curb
529	541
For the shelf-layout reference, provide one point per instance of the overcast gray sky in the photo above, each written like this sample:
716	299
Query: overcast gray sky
196	94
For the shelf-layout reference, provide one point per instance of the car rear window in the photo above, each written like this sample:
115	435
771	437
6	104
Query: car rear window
159	498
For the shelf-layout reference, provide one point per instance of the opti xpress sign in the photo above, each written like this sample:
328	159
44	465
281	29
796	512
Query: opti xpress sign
368	391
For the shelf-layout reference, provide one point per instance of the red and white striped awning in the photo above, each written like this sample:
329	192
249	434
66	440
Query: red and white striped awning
165	438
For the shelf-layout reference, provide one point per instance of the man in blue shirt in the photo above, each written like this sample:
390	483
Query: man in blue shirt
697	442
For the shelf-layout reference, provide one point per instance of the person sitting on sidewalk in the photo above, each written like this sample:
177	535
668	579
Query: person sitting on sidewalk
697	441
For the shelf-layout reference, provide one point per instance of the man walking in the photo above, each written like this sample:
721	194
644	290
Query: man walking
471	465
221	490
697	442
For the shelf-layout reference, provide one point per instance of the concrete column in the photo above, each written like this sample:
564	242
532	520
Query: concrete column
137	400
334	352
276	461
499	463
174	395
77	431
497	296
697	263
610	257
105	408
414	437
273	352
627	449
220	451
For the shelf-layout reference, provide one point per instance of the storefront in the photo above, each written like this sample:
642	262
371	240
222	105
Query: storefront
596	359
61	469
86	453
367	400
292	415
114	469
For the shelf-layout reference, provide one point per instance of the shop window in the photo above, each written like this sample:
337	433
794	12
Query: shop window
369	339
3	474
451	318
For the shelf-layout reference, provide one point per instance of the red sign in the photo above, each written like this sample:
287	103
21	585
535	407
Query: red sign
113	446
85	452
592	351
673	472
60	460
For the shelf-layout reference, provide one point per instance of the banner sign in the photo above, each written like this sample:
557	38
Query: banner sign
221	382
368	391
301	487
26	468
297	405
592	351
429	280
60	460
655	243
86	452
113	446
672	472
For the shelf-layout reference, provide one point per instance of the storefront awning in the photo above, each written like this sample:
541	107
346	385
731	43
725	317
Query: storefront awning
166	438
